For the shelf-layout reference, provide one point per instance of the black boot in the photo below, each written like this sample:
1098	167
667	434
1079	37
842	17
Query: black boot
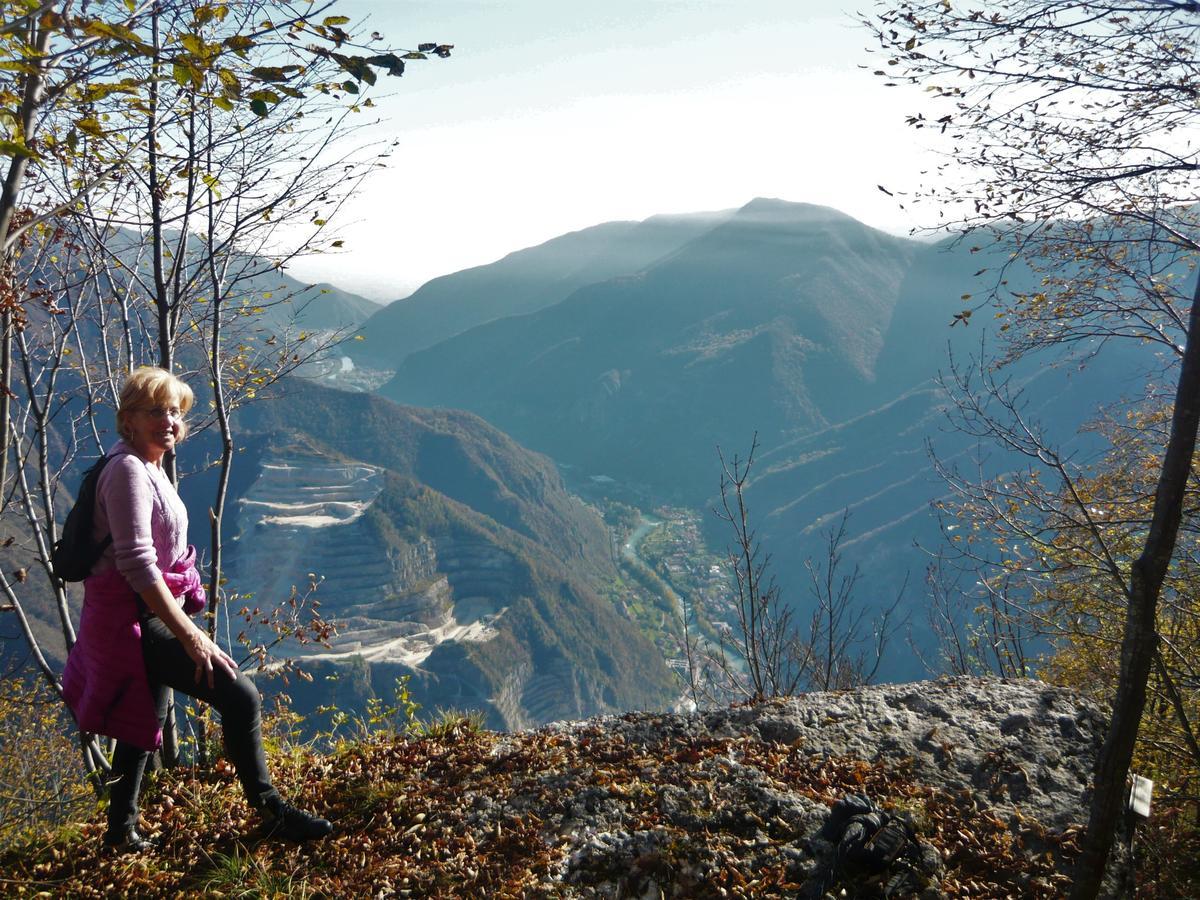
129	840
283	820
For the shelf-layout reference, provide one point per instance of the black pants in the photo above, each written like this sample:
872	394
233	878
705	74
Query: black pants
236	701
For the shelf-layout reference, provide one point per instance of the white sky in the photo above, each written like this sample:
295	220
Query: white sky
553	116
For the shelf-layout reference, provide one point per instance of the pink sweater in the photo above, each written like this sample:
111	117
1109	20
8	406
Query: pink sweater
138	505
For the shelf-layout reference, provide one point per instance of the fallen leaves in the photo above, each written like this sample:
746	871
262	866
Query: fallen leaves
579	813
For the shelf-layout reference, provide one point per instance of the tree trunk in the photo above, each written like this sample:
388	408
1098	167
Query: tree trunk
1141	637
32	96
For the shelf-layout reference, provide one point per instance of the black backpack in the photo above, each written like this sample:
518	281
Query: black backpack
76	551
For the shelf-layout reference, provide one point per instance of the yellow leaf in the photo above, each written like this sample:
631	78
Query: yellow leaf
192	44
239	43
89	125
16	148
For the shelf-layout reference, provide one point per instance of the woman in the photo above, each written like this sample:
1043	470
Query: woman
136	637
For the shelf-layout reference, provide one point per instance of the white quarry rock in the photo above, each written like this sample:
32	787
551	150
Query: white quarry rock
303	515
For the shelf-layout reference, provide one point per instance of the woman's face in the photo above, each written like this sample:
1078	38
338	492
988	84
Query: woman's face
154	430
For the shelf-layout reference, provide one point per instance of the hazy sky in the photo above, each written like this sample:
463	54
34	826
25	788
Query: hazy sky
553	116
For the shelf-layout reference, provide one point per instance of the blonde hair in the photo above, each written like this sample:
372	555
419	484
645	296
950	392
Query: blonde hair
148	387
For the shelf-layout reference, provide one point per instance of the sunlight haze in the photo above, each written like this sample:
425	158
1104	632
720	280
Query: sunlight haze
553	117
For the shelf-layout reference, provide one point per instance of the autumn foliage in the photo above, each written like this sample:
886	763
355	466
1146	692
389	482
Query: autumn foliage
37	791
460	812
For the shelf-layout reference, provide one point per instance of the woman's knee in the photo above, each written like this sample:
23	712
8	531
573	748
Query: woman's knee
239	701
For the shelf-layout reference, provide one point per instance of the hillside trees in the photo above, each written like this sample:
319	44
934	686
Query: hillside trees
1067	129
1120	493
768	650
166	163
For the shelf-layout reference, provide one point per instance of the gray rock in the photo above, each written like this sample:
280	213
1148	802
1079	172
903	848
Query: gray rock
1018	752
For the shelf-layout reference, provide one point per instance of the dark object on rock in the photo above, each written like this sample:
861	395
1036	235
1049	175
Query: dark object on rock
875	855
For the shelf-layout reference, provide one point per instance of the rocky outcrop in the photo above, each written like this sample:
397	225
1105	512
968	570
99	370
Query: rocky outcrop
993	776
1016	746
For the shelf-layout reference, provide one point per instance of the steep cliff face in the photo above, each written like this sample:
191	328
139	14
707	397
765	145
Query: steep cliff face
479	614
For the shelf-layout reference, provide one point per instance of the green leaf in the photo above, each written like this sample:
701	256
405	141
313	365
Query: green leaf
265	96
193	45
414	54
182	72
259	108
223	103
16	148
349	87
330	21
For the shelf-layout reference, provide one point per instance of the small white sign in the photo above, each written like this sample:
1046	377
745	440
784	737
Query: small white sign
1139	796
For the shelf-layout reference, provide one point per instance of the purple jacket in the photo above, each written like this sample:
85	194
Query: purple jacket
105	682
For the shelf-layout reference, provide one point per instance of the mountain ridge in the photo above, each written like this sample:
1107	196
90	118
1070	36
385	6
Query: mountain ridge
520	282
617	360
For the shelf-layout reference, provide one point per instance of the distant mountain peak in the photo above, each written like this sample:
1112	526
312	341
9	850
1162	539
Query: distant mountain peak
772	210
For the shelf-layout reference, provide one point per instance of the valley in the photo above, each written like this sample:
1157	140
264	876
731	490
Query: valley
503	485
791	322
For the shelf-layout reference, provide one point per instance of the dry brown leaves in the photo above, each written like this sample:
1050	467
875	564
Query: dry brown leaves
478	814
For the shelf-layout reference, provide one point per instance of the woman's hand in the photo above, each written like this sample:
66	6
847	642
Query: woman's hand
208	657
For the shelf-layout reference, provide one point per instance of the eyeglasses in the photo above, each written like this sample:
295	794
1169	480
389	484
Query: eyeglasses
157	412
